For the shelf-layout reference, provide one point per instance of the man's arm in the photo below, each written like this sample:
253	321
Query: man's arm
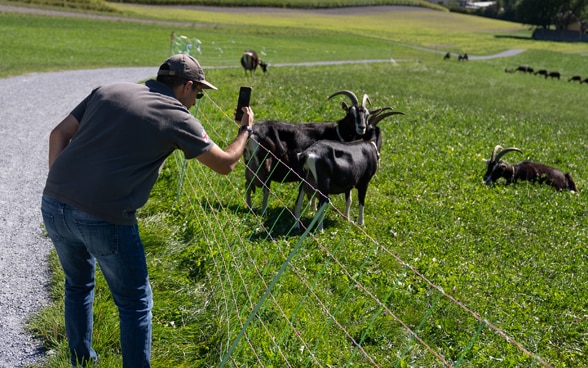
223	162
61	135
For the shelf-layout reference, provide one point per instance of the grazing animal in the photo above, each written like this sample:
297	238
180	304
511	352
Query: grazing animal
584	81
463	57
447	56
575	78
250	61
525	170
524	69
271	152
542	72
333	167
553	75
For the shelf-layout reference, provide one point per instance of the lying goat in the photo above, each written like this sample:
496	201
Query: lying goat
250	61
271	152
333	167
525	170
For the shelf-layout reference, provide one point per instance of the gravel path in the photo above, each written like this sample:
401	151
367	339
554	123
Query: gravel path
32	105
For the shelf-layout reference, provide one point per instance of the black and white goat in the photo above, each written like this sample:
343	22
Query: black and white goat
271	152
525	170
250	61
333	167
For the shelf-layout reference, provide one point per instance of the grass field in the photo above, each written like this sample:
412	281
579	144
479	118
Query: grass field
515	255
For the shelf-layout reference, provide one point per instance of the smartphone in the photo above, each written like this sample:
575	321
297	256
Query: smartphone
244	98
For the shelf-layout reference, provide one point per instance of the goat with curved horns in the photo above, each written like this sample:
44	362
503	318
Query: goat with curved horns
271	152
525	170
333	167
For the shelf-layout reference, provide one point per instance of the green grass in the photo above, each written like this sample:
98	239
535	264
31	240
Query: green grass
513	254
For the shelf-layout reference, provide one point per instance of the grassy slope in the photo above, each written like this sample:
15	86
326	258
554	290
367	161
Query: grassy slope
513	254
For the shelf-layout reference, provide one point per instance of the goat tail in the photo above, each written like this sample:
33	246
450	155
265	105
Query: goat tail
571	184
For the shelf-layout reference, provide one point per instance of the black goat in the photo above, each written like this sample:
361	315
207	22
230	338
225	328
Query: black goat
524	69
250	61
542	72
554	75
447	56
525	170
463	57
584	81
575	78
271	152
333	167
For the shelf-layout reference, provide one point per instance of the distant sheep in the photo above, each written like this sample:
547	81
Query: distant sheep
250	61
525	170
524	69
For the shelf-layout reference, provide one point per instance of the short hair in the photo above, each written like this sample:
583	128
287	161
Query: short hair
173	82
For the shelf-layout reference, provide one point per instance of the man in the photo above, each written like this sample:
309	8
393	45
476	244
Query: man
104	159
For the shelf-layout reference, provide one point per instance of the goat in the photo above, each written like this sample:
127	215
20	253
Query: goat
271	152
333	167
525	170
463	57
542	72
524	69
584	81
250	61
553	75
575	78
447	56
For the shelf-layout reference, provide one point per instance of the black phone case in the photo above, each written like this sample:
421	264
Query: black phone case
244	99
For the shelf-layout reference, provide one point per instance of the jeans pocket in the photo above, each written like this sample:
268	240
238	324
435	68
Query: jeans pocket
100	237
48	210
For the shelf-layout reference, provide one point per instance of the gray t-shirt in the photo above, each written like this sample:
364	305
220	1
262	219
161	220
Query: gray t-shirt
126	132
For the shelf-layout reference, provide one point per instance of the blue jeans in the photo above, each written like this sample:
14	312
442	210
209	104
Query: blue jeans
80	240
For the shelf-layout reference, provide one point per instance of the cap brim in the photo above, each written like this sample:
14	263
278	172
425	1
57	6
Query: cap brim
207	85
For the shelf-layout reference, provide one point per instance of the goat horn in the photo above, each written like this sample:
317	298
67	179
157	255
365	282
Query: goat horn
377	111
375	119
351	95
505	151
496	149
366	99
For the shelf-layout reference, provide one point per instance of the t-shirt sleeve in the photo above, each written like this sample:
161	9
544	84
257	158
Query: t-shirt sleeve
78	111
191	137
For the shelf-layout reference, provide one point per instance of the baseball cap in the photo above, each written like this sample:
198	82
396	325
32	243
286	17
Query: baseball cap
184	66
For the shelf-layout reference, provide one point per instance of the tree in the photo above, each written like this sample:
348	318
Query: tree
544	13
541	13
